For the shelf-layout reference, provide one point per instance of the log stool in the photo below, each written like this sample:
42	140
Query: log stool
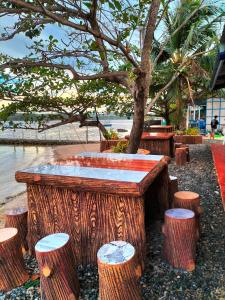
181	156
173	188
17	218
12	269
118	272
189	200
180	238
57	268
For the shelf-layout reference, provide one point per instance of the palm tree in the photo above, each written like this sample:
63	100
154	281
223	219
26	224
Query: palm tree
186	62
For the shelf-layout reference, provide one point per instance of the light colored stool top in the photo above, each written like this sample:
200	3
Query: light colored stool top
52	242
185	195
7	233
180	213
15	211
173	177
115	252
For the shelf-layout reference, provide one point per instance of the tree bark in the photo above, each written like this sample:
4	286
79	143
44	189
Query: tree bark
189	200
18	218
57	268
180	156
118	272
12	269
180	238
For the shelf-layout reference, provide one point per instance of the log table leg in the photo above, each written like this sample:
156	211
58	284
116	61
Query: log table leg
57	268
180	238
12	269
189	200
181	156
17	218
118	272
173	188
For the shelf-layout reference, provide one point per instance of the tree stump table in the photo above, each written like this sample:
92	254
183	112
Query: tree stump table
12	269
179	232
17	218
95	199
157	142
119	272
57	267
189	200
181	156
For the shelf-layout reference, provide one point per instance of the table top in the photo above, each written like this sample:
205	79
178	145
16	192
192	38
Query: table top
157	135
121	156
161	126
97	173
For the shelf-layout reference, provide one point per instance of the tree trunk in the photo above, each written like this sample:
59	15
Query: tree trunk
12	269
94	124
180	238
139	112
57	268
118	272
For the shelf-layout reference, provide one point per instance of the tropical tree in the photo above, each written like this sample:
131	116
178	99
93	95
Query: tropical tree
103	39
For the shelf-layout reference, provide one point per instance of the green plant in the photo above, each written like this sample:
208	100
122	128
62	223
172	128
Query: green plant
111	135
192	131
121	147
180	132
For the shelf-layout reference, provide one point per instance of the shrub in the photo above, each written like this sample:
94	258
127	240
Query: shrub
121	147
111	135
192	131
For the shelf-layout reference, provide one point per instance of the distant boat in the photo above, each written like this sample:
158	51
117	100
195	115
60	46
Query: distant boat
107	124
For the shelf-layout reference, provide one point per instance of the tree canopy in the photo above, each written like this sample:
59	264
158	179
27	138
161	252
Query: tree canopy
120	42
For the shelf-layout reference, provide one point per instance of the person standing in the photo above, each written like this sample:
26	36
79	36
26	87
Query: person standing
214	124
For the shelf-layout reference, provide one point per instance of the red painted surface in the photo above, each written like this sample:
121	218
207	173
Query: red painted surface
155	136
161	126
136	165
218	152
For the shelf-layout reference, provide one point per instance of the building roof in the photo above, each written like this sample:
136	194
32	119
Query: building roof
218	78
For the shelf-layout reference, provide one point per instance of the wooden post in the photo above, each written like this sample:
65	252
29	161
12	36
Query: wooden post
17	218
57	268
181	156
12	269
189	200
118	272
180	238
173	188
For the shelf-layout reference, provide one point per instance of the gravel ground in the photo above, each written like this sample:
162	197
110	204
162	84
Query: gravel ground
159	280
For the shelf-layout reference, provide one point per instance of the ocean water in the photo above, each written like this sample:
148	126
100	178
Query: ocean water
14	158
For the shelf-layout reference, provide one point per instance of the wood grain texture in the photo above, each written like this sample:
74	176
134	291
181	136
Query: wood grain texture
158	143
99	185
181	156
58	275
189	200
119	272
12	269
91	219
180	238
17	218
173	188
188	139
160	128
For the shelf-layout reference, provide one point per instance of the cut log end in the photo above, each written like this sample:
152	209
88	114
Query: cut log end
180	213
115	252
15	211
7	233
186	195
52	242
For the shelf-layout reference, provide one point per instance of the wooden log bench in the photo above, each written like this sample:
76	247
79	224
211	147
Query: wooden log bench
173	188
189	200
179	232
119	272
181	156
17	218
57	268
12	268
